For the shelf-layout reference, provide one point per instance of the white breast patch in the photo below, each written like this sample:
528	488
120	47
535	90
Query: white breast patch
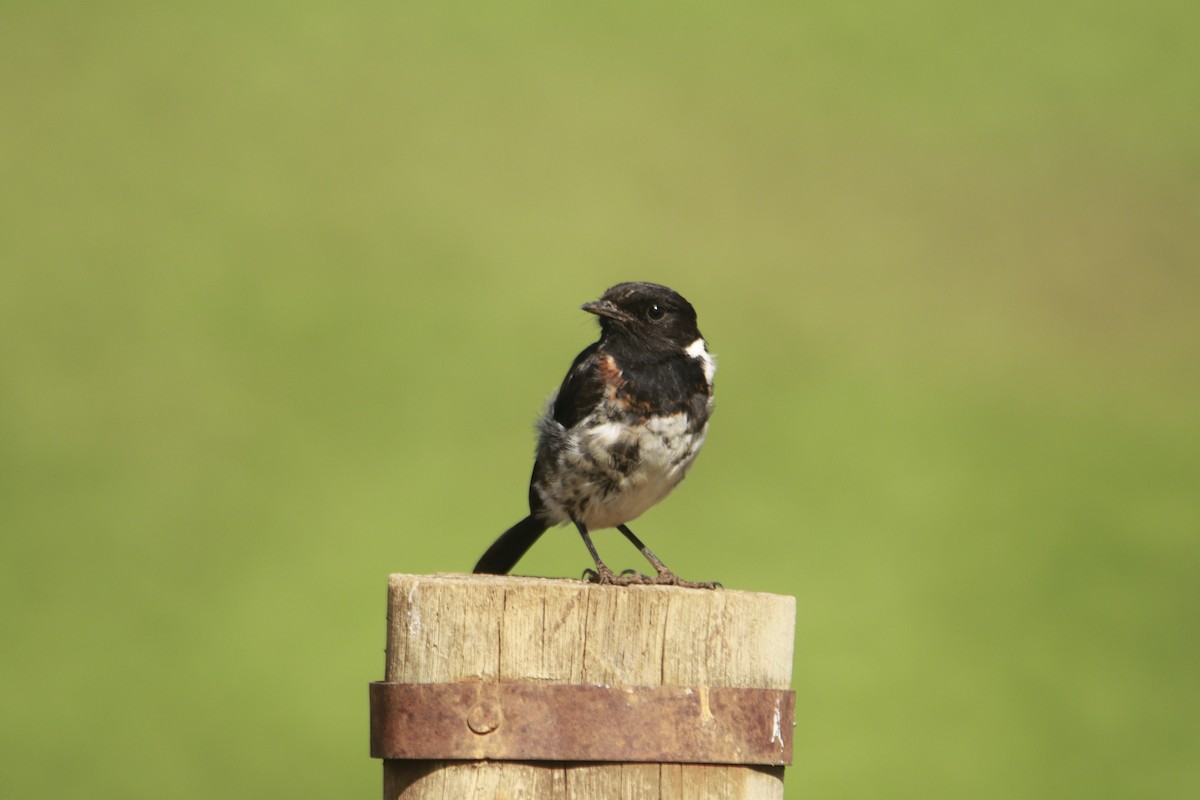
591	485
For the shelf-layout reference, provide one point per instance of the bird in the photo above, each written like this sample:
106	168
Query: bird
621	431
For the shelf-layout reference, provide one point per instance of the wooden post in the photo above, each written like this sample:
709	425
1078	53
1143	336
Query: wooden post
444	629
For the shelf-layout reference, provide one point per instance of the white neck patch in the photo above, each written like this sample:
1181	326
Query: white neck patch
699	351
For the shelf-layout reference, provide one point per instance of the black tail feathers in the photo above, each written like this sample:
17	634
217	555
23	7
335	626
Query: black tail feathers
506	551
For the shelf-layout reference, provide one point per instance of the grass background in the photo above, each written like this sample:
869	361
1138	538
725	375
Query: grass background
283	285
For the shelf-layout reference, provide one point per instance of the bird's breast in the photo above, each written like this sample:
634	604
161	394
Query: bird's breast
612	468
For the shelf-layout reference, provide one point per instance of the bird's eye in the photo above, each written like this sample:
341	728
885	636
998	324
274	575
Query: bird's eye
655	313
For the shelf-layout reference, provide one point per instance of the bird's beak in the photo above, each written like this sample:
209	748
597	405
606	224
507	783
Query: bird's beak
603	308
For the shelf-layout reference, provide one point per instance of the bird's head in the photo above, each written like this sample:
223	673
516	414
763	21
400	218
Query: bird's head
648	314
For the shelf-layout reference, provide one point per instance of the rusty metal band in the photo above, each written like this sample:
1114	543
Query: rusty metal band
558	722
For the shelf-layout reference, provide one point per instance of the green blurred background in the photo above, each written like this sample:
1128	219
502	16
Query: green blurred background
283	286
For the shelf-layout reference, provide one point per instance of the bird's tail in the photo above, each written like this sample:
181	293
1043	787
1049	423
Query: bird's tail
506	551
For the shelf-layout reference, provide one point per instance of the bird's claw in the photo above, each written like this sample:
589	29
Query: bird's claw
668	578
629	577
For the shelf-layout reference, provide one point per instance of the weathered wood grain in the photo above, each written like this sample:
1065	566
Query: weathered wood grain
445	628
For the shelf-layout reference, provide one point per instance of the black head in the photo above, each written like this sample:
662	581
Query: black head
653	316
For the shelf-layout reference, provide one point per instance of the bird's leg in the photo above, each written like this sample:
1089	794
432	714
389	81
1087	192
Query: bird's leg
602	574
654	560
665	575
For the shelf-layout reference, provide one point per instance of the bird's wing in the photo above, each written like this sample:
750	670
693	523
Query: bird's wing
581	389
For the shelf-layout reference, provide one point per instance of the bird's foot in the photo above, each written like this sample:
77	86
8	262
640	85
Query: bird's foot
666	577
606	577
